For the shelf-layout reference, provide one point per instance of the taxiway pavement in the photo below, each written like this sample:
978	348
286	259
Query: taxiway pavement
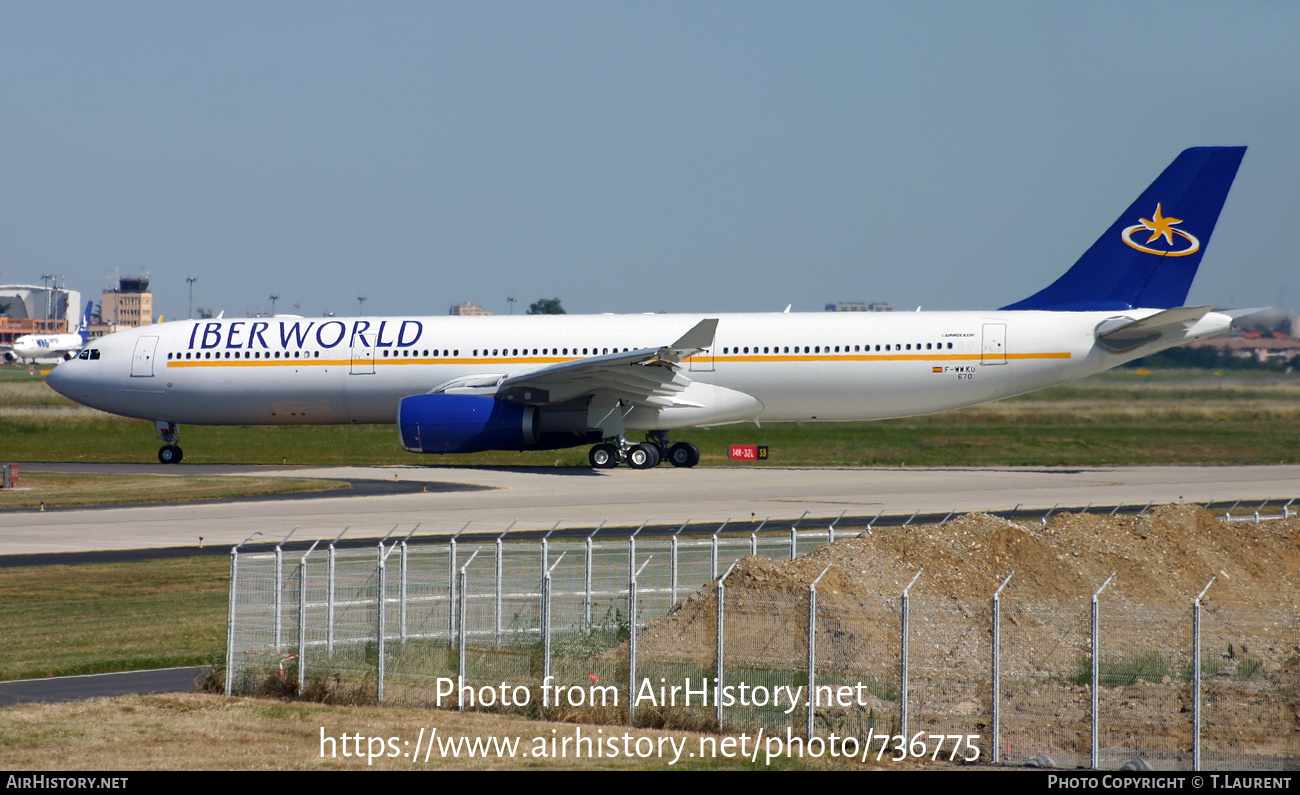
538	498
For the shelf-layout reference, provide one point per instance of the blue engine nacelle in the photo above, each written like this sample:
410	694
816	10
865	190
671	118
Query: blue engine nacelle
464	424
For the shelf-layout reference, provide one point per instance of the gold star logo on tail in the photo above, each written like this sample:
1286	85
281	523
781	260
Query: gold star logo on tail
1161	226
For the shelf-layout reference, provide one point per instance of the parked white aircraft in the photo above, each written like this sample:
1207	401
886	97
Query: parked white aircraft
465	384
52	346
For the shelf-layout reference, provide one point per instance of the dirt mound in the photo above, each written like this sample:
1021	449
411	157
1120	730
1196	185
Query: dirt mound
1161	561
1164	556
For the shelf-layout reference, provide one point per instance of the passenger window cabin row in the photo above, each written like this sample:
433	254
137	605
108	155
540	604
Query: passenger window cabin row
513	352
886	347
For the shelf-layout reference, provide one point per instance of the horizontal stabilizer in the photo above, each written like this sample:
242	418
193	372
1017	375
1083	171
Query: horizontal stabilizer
1236	313
1123	334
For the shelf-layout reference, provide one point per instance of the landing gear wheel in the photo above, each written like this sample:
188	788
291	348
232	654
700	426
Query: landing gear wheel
683	454
643	456
170	454
602	456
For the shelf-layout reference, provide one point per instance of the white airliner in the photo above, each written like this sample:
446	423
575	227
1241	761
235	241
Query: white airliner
52	346
465	384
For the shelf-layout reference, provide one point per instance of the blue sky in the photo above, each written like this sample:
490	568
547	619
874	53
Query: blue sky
629	157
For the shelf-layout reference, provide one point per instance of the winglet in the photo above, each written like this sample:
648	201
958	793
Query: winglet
699	338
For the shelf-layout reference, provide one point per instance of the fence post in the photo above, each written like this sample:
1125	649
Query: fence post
586	578
717	681
794	545
1096	662
546	634
460	640
500	571
231	614
546	549
302	622
631	653
302	618
278	599
329	597
631	643
460	626
902	697
812	650
713	549
401	597
1196	676
329	600
230	618
278	619
401	592
379	625
830	531
631	549
997	669
546	626
1227	515
753	537
672	564
452	585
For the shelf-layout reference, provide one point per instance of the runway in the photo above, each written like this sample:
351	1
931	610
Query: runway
75	688
538	498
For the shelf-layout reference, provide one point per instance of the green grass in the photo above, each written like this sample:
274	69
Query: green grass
1125	671
60	490
62	620
1117	418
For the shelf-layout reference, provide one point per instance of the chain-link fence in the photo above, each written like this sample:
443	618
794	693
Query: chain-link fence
647	630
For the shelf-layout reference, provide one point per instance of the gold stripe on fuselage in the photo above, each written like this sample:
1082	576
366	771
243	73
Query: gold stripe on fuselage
906	357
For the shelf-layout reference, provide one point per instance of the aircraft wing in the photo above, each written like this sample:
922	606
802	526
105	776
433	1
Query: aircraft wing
646	376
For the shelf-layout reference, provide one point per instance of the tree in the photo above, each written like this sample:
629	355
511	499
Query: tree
204	313
546	306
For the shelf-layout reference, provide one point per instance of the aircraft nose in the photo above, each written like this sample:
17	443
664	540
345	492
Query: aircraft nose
60	380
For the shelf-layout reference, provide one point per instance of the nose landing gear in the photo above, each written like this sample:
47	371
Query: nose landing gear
169	434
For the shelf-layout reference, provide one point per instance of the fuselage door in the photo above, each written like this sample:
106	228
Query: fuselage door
363	354
994	350
142	361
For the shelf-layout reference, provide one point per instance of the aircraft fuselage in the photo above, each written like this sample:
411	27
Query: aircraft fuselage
798	367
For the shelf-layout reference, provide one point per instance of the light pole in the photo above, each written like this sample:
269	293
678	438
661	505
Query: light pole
274	298
361	301
191	280
512	301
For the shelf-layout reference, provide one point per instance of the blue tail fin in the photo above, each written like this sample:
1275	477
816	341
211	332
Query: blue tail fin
1149	257
84	328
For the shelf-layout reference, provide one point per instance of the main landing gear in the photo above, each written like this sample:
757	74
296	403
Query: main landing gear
646	455
169	434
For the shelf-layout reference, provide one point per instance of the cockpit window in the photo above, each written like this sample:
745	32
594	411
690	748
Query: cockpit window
94	353
84	355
